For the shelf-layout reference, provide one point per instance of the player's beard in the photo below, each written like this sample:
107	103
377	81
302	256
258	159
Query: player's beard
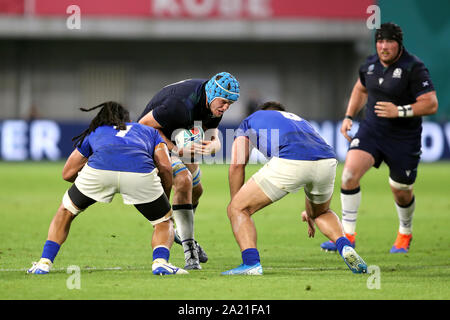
392	60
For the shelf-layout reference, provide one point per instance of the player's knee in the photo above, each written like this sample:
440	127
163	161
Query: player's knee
183	182
349	180
67	206
235	209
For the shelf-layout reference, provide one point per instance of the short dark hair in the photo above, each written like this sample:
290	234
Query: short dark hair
272	105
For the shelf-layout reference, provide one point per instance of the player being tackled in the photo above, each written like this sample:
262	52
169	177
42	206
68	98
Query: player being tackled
182	105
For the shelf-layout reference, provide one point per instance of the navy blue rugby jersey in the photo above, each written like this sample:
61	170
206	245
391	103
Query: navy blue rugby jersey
179	105
284	135
400	83
129	150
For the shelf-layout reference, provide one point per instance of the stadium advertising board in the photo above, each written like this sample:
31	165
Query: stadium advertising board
37	140
194	9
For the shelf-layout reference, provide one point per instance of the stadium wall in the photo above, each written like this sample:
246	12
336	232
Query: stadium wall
52	78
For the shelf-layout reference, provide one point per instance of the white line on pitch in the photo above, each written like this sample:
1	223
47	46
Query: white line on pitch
149	268
387	268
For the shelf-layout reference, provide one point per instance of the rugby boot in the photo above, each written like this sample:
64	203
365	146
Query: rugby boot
354	262
202	256
402	243
42	267
191	255
243	269
162	267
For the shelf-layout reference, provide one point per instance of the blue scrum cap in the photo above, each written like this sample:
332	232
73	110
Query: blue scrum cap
222	85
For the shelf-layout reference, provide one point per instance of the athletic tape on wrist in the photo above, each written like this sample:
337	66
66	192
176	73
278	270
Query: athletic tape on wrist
405	111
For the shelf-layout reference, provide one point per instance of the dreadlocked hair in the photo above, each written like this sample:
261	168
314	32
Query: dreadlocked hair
272	105
111	114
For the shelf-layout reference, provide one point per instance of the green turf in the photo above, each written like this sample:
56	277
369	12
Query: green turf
115	235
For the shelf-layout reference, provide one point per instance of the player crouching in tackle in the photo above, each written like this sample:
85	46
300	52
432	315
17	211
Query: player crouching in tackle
116	156
299	158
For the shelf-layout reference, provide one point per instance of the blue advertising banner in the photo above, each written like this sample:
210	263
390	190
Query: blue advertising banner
38	140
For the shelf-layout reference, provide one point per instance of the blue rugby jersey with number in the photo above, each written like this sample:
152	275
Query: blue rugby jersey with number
400	83
284	135
179	105
129	150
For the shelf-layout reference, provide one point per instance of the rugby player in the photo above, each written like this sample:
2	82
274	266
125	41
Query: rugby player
113	156
182	105
396	88
300	158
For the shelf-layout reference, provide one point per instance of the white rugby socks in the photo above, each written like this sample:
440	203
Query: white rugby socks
405	216
350	200
184	220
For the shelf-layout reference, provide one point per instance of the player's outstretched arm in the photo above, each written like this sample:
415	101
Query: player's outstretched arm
239	158
73	165
162	162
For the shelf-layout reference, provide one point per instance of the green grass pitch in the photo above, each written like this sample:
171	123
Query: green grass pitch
111	244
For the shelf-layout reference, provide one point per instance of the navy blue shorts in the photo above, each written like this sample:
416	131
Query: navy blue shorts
401	156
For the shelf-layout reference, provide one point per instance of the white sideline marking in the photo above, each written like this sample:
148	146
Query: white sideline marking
215	270
150	268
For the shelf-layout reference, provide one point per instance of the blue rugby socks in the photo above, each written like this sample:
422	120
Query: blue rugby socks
341	243
161	252
50	250
250	256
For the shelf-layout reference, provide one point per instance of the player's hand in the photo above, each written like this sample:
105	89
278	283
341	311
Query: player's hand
384	109
346	127
185	152
311	228
206	147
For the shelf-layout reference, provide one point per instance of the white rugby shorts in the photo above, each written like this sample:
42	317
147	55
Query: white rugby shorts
135	188
279	177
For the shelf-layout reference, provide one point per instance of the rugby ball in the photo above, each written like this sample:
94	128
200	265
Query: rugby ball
185	137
